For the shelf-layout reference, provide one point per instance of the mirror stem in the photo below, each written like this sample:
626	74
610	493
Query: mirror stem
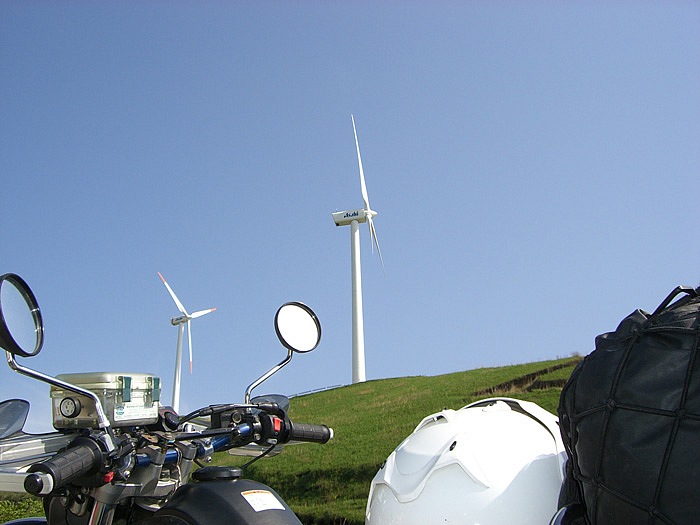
266	375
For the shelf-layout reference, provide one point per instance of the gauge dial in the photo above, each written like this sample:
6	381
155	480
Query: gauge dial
69	407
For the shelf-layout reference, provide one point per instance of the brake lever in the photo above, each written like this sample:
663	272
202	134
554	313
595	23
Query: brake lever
271	408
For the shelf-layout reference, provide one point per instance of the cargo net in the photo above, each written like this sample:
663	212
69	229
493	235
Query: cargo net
630	419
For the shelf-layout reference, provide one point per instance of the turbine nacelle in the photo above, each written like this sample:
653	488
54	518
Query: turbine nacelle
345	218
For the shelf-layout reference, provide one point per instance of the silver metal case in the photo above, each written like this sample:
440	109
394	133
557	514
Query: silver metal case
128	399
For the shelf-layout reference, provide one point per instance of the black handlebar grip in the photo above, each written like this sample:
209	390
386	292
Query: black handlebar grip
83	458
308	432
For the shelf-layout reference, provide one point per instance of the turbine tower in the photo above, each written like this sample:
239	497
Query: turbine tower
181	322
353	218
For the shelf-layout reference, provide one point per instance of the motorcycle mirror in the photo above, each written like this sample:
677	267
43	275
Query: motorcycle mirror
297	327
22	334
13	415
21	325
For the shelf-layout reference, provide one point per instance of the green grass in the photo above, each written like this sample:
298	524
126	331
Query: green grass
329	484
15	506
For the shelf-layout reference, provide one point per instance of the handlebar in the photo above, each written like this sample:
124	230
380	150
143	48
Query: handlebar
285	430
308	432
84	457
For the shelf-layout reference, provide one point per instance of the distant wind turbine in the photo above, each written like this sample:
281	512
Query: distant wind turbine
181	322
353	218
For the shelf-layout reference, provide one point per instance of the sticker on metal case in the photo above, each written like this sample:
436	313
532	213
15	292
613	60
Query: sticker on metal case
134	411
262	500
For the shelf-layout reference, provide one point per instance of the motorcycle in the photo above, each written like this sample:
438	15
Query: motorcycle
119	457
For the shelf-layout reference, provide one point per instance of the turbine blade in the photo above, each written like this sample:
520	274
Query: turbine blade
189	343
201	313
172	294
363	186
373	234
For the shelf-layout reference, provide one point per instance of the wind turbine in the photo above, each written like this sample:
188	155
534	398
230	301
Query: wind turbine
181	322
354	218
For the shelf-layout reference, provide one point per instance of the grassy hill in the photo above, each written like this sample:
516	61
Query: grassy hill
329	484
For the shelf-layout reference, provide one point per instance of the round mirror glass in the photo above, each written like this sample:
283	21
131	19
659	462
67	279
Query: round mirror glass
21	327
297	327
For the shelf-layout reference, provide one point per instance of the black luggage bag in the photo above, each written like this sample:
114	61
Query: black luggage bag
630	420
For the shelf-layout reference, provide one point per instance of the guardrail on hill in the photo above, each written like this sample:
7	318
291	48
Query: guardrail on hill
315	391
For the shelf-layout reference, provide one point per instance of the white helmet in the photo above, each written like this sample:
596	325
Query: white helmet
496	461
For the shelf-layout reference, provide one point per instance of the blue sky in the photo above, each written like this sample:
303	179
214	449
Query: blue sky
534	165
